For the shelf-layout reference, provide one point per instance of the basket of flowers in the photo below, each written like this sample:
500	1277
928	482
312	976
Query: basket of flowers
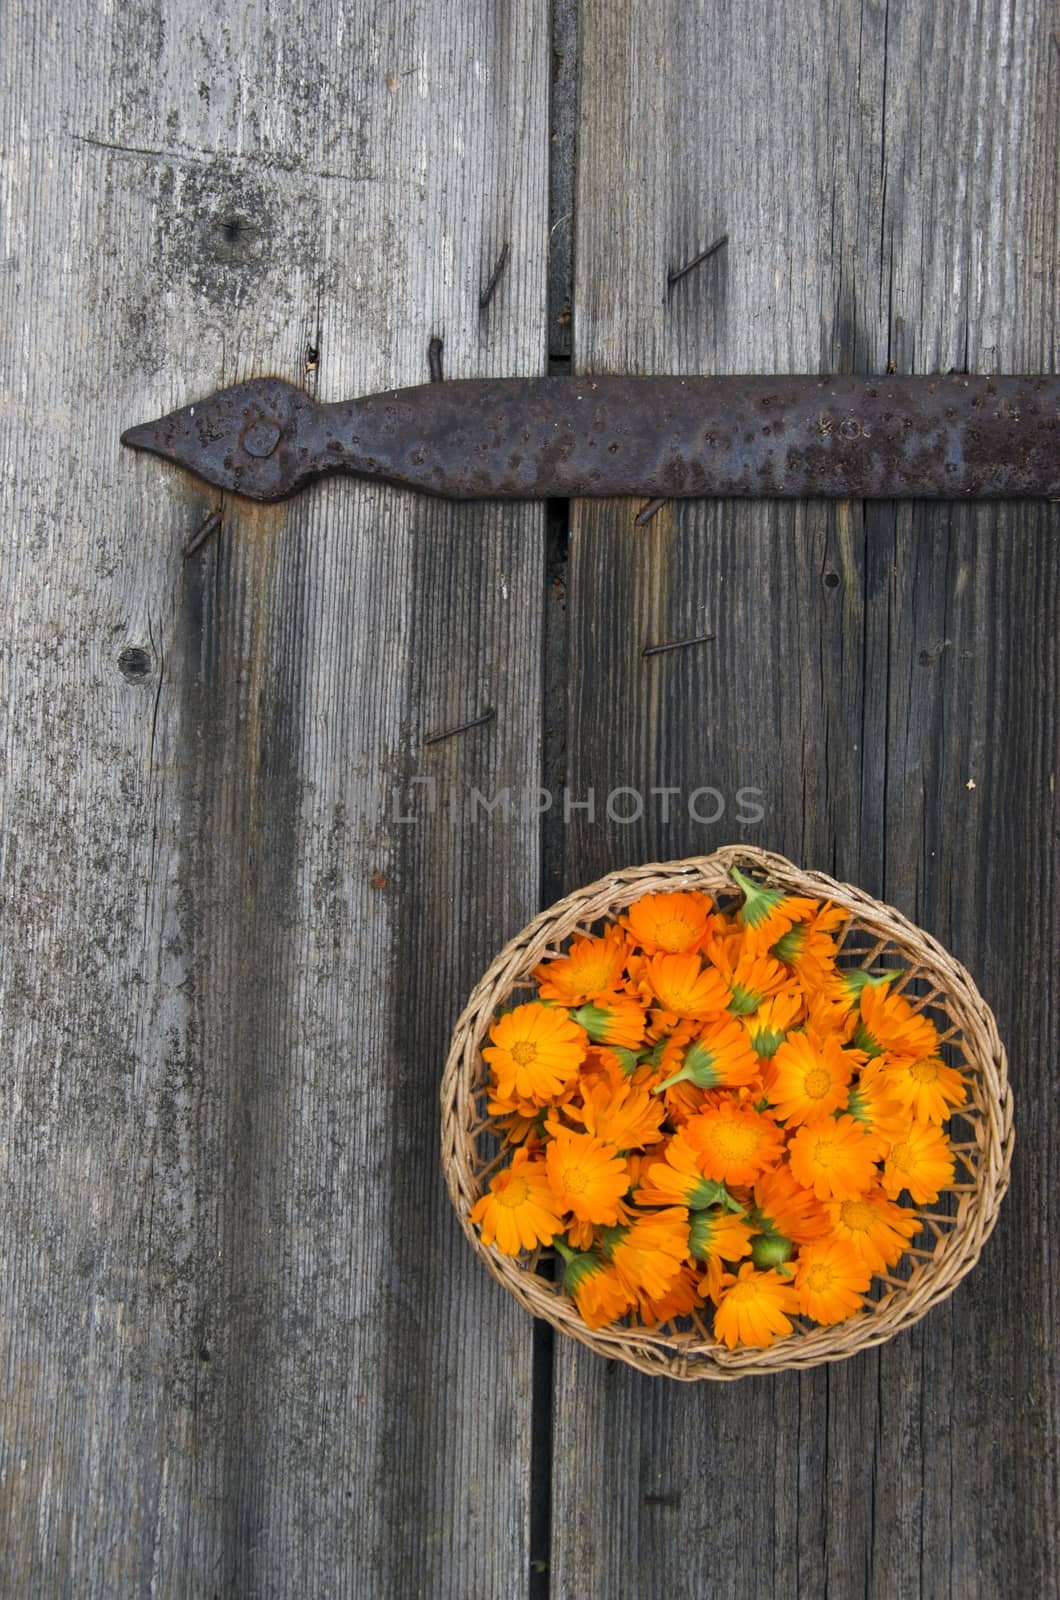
722	1116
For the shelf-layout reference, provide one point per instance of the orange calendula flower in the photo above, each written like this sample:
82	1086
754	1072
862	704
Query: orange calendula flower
784	1207
648	1255
878	1228
831	1279
834	1157
754	1308
767	914
681	1297
613	1020
519	1211
536	1052
718	1239
720	1057
921	1162
593	966
587	1177
594	1286
684	986
670	924
751	976
769	1026
809	948
879	1111
717	1236
619	1112
734	1143
925	1086
679	1180
831	1012
809	1077
889	1023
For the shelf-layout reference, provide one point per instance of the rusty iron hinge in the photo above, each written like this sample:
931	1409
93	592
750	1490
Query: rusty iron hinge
953	437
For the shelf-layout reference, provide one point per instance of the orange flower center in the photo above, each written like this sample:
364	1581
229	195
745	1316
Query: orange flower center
735	1141
673	935
857	1215
524	1052
817	1083
903	1155
820	1277
575	1180
514	1193
925	1071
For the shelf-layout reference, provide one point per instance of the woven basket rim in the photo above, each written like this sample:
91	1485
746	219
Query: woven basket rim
681	1356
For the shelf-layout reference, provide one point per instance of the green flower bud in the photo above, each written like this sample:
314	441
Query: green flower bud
770	1250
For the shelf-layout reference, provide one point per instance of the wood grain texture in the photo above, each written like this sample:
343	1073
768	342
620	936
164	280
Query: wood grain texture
886	180
243	1346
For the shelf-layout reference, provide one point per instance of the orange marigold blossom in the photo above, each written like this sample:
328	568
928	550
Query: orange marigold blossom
683	1296
879	1111
718	1239
889	1023
594	1286
721	1055
768	913
826	1013
533	1110
587	1177
879	1229
810	946
784	1207
592	966
754	1308
921	1162
669	924
833	1156
519	1211
535	1053
619	1112
750	976
809	1077
612	1019
734	1143
648	1254
678	1179
769	1026
626	1061
831	1279
928	1089
685	987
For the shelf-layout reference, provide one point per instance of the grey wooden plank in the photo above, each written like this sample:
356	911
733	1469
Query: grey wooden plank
245	1349
887	196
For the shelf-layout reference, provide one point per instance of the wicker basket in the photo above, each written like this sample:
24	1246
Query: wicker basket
876	937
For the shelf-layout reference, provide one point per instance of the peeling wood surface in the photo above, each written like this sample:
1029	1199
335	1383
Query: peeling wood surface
886	679
246	887
242	1341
